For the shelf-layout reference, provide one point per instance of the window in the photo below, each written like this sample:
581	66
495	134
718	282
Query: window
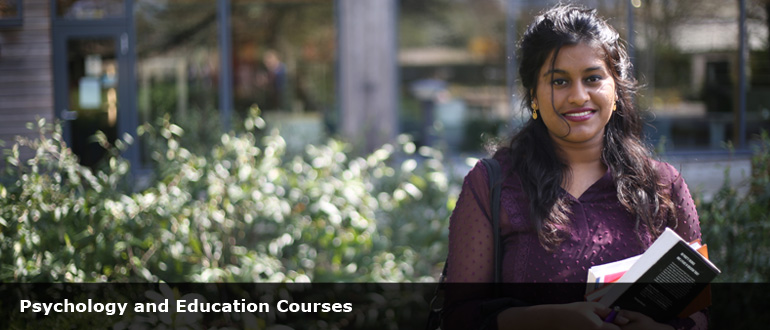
177	67
452	65
284	54
90	9
10	13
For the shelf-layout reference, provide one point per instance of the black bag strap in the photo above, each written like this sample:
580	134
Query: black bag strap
495	182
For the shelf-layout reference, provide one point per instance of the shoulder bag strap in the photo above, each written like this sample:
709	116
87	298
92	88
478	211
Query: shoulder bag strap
495	173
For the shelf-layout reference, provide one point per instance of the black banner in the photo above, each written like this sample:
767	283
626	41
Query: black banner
291	306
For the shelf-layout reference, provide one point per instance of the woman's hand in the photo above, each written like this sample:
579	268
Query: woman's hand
586	315
573	316
639	321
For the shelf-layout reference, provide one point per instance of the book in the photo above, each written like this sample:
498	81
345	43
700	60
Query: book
601	275
668	280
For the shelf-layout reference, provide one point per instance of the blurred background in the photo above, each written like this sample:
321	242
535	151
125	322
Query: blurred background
442	71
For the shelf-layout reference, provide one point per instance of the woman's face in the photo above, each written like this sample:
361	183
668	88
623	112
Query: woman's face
576	95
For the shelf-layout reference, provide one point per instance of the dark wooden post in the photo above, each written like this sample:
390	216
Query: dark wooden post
743	54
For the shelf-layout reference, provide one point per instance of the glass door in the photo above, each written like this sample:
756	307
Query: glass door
91	88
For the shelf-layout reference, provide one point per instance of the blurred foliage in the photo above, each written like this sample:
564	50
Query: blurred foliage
736	225
202	131
242	211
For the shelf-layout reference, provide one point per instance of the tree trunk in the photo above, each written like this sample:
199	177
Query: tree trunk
367	72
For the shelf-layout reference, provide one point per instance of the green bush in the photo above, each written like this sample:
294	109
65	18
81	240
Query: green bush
243	211
736	225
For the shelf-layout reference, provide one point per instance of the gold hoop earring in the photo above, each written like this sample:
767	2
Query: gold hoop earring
615	106
534	115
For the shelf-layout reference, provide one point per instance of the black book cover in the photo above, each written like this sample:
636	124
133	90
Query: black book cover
670	284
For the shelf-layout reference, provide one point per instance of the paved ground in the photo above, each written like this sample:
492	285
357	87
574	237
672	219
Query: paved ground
706	176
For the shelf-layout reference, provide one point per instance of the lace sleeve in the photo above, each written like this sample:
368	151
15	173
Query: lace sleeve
471	250
687	223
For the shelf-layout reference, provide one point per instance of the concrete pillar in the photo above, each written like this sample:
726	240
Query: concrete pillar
368	72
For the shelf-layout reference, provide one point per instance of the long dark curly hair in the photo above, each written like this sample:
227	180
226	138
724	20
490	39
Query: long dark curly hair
533	153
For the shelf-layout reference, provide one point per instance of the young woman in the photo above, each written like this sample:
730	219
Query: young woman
579	186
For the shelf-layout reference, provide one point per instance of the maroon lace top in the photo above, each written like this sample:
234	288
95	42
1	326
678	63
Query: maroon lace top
601	231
